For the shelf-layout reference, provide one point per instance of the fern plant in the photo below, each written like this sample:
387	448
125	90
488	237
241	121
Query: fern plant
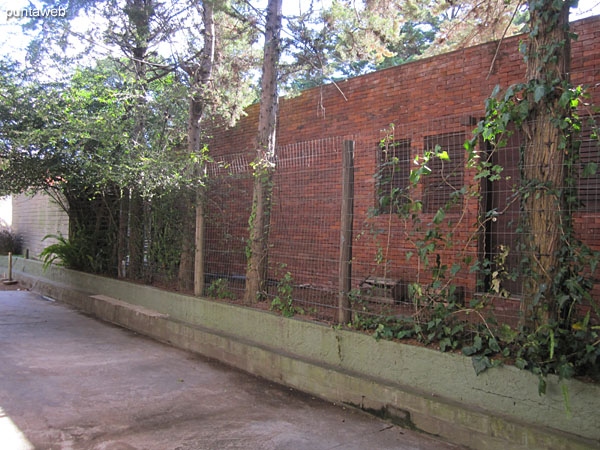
70	253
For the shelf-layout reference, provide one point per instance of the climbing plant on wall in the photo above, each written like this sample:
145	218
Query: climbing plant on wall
559	327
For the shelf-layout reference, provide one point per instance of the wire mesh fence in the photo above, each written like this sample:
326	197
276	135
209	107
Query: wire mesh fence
449	238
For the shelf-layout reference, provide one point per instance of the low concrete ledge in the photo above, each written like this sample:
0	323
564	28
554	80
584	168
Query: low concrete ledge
103	299
435	392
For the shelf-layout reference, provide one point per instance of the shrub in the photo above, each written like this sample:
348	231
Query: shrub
9	242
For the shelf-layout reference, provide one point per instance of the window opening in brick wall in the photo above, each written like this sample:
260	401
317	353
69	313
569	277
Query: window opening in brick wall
588	184
446	175
393	161
501	235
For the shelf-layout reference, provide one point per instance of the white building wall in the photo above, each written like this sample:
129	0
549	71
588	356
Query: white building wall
36	217
6	211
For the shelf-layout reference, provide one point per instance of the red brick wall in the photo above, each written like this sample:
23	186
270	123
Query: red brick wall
422	98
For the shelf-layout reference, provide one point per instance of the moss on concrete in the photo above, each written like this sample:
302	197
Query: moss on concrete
436	390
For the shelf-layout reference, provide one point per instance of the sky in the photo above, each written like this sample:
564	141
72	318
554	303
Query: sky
13	41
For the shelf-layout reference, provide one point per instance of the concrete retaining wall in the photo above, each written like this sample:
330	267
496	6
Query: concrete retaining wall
418	387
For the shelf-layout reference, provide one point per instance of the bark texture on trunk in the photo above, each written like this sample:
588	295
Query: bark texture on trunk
543	164
257	268
191	269
257	265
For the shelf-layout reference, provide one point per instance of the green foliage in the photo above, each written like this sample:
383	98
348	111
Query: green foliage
563	351
562	344
284	301
80	132
219	288
566	345
10	242
78	137
345	40
73	253
166	234
350	38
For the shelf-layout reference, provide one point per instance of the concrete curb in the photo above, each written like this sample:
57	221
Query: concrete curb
385	378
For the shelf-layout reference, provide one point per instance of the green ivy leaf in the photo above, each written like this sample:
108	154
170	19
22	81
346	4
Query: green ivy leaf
477	342
590	169
455	268
539	93
494	345
523	109
566	371
469	350
481	364
439	216
404	334
565	99
445	343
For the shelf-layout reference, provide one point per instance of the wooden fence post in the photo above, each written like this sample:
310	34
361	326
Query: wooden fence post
345	271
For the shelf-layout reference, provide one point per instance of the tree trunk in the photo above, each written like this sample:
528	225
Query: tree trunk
548	65
256	272
200	78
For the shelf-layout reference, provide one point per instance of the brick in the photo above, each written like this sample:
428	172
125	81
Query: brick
306	216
